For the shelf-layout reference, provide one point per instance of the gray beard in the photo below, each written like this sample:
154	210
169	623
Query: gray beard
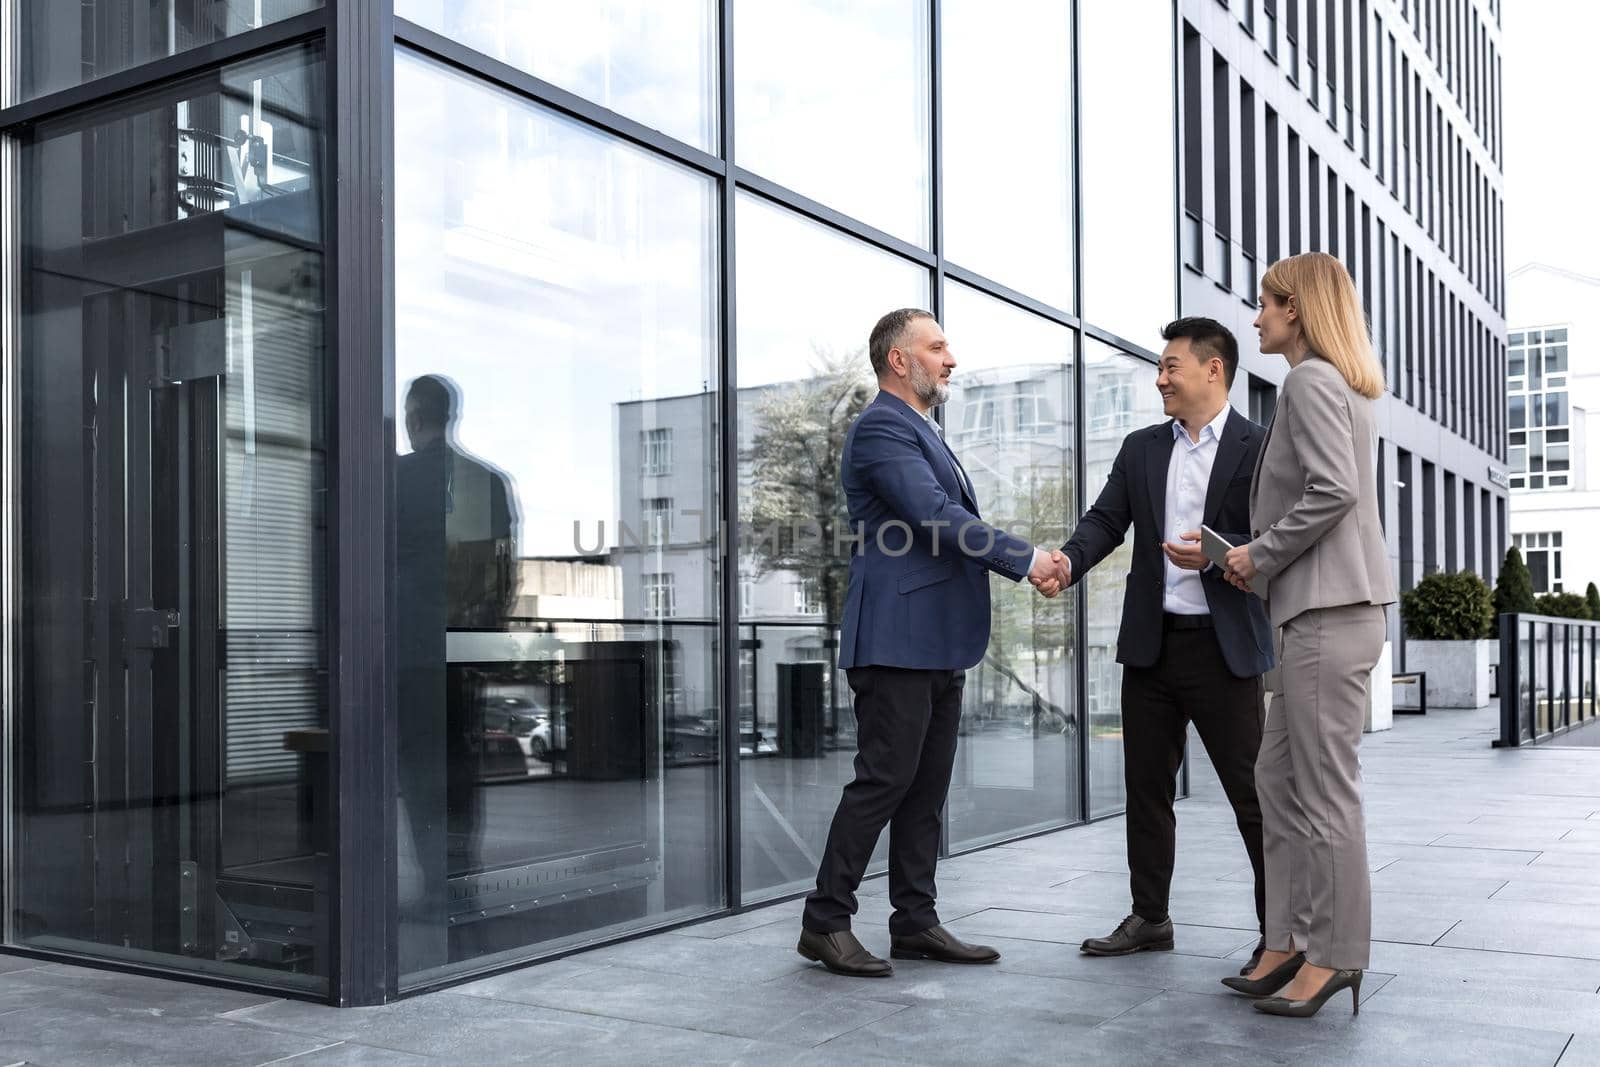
929	390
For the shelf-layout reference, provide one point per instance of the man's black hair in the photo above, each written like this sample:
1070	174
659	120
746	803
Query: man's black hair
1209	339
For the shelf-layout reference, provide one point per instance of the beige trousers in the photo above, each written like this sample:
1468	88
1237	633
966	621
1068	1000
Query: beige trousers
1308	776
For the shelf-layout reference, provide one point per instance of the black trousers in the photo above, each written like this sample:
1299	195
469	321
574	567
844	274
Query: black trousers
1188	683
905	746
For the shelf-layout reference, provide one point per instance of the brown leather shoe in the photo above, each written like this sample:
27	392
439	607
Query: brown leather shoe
841	953
938	944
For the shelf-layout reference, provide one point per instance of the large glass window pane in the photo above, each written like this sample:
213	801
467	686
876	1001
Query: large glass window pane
832	100
63	43
1007	86
808	298
555	366
1017	763
1129	279
654	61
169	794
1119	396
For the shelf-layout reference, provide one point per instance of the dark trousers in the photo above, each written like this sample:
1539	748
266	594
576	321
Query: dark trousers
1188	683
905	746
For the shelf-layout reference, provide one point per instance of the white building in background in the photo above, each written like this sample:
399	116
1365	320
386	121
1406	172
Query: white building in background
1553	404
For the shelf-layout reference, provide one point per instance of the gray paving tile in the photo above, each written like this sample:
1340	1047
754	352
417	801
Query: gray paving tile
350	1054
1443	961
8	964
1068	929
928	1034
695	957
79	1029
135	992
990	990
1582	1051
1489	1001
1491	936
1416	878
739	1010
734	924
1574	892
467	1029
1333	1036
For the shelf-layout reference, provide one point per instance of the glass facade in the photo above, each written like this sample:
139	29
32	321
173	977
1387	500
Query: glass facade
170	796
557	578
633	276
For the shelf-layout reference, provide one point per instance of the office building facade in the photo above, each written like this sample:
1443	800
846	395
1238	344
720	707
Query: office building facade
1371	131
1553	400
423	547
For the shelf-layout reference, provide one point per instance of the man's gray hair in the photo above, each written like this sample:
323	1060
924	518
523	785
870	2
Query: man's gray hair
890	332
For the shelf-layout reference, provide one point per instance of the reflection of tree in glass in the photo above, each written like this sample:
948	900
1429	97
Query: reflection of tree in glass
796	504
1029	635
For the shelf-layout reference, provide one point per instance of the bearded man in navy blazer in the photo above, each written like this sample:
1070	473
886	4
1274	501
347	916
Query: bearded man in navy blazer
916	616
1193	648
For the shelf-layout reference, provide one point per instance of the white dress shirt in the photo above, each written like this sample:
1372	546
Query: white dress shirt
1188	476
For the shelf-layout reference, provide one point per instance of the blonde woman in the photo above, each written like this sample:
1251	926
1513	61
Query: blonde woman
1317	558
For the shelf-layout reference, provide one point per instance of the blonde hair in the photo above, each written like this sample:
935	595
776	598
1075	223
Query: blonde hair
1330	316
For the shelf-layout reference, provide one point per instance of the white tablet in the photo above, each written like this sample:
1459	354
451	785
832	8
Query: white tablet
1215	546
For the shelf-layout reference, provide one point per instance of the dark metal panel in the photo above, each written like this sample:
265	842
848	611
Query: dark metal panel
359	183
117	87
1080	433
728	478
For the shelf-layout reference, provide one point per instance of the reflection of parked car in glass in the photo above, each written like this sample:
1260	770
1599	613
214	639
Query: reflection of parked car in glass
526	720
697	739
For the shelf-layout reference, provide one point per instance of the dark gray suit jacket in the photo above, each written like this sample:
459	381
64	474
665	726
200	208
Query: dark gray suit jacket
1136	495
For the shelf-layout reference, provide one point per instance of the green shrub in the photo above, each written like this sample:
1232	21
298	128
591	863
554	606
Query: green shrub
1514	592
1448	607
1562	606
1592	595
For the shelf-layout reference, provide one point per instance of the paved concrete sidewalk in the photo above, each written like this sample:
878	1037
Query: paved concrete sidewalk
1486	876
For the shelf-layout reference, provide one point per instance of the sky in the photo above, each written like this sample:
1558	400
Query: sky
1552	158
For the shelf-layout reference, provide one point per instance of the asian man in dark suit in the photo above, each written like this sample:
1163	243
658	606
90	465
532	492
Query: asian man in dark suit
1193	647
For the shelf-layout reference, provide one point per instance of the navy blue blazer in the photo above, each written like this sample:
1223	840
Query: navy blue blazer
1136	494
919	573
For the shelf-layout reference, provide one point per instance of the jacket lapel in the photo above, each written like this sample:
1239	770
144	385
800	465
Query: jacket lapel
1230	450
962	481
1157	459
1255	476
929	434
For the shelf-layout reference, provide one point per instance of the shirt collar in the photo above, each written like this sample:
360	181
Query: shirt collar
1214	427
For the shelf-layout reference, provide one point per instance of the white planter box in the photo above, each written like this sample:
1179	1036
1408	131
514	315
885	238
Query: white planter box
1380	694
1458	671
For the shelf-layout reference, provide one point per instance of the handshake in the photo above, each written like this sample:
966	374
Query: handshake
1050	574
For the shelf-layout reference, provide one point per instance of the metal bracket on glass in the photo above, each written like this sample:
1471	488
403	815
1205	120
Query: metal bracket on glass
188	898
149	628
194	350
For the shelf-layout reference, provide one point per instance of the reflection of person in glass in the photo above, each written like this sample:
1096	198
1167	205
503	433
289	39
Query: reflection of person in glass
455	540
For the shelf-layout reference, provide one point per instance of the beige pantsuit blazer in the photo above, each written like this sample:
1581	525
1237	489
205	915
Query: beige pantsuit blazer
1323	571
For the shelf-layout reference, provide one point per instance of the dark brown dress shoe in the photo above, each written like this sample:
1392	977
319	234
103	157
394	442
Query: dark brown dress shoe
841	953
1134	934
938	944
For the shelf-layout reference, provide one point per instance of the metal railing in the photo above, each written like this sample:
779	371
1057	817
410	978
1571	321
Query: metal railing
1547	676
